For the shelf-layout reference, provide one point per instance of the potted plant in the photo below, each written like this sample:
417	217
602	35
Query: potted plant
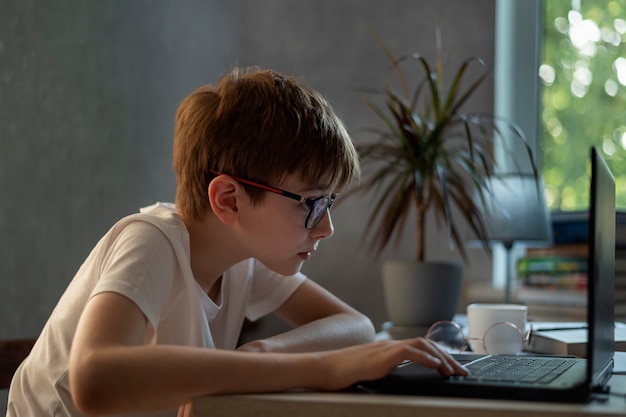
429	155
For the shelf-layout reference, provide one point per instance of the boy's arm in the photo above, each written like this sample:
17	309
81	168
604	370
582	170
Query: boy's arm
112	371
320	321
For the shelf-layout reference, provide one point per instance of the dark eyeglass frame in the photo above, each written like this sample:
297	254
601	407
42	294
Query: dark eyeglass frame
317	207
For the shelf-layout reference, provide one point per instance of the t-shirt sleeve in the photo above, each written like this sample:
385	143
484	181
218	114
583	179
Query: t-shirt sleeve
140	265
270	290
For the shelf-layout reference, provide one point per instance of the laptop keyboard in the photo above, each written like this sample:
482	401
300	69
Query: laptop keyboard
518	369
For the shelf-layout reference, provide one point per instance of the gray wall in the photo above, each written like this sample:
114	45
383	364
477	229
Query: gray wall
88	91
329	43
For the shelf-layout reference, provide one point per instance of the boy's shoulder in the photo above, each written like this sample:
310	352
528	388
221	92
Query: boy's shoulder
160	209
160	215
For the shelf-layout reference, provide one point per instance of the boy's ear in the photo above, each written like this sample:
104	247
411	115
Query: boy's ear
223	195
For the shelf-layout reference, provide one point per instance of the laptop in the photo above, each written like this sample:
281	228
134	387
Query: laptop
570	379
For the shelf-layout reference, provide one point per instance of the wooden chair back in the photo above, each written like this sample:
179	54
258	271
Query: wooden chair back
12	353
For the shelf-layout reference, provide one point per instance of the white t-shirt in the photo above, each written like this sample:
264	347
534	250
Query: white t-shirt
145	257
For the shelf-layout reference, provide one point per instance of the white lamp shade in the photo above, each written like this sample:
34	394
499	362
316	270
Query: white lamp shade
515	210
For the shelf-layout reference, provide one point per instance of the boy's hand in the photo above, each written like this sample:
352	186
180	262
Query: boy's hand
345	367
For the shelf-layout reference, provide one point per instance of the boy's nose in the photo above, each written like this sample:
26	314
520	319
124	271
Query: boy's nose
324	228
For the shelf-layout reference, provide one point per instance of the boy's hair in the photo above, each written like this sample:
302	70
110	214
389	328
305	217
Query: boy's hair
262	126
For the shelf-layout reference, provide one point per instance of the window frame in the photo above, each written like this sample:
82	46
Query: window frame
518	40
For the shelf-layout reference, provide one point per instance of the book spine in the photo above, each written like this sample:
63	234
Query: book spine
570	231
572	228
549	312
580	250
576	280
553	265
558	297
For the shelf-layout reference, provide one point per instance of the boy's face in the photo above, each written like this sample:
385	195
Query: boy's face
275	229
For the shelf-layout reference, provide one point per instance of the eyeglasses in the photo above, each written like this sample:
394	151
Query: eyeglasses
502	338
316	206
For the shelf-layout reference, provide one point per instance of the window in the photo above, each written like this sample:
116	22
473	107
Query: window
579	99
583	97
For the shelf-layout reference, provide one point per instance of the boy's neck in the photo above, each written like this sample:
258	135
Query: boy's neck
212	252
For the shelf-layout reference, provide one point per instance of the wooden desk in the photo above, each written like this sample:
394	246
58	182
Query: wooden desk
315	404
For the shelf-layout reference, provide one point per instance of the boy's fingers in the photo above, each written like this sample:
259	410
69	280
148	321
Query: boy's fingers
443	360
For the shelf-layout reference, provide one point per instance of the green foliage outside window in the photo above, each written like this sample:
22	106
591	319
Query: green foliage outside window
583	75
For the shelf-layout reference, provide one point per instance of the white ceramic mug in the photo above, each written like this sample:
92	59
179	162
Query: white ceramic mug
480	317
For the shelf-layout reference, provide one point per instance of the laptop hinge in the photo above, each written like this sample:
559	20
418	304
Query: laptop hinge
600	385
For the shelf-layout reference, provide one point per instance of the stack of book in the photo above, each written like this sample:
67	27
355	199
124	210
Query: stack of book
552	281
558	338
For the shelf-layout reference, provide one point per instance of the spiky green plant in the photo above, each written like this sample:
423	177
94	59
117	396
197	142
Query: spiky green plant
433	158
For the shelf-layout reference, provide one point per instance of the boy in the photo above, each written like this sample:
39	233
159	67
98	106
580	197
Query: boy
152	317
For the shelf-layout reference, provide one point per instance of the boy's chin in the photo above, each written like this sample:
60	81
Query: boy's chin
286	270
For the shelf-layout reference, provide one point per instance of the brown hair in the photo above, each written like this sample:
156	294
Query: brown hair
262	126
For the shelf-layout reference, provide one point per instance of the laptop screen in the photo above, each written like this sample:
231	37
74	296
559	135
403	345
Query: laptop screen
601	271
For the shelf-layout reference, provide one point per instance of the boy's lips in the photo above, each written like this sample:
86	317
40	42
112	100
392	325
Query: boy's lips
306	255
